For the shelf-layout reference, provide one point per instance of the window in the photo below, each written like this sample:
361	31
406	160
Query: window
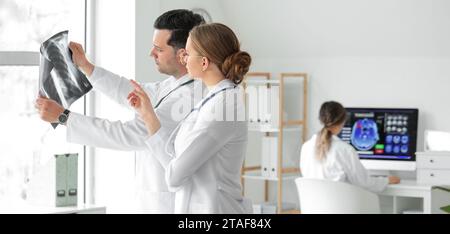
26	142
25	24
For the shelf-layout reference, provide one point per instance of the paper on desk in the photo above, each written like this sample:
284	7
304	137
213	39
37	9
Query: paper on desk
437	140
59	78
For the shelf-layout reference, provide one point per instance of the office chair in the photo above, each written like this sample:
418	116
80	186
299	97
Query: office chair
320	196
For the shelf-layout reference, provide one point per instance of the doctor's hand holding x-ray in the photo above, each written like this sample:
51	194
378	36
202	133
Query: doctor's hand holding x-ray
79	58
50	110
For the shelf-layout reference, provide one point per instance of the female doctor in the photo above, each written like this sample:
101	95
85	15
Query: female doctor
325	156
204	154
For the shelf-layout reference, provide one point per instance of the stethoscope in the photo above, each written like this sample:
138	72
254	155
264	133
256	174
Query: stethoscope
171	91
204	101
207	99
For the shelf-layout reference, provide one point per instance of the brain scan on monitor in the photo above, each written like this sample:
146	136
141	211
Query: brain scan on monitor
381	133
364	134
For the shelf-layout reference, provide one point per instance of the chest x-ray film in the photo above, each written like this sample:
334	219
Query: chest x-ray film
59	78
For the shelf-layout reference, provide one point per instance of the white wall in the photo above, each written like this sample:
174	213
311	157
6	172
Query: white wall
146	14
397	48
362	53
374	53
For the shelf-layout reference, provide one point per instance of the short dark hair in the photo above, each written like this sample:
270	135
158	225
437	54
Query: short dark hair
179	22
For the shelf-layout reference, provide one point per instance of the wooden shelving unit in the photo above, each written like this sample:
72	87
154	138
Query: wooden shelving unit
284	125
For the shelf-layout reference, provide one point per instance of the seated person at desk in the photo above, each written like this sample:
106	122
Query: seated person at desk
325	156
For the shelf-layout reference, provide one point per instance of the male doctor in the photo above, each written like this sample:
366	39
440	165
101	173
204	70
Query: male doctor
171	98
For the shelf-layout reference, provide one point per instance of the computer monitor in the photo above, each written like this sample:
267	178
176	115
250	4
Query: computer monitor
384	138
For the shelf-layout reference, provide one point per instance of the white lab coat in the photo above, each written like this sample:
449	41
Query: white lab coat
204	157
152	193
341	164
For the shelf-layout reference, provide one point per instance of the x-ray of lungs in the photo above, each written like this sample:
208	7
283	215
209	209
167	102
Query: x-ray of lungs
59	78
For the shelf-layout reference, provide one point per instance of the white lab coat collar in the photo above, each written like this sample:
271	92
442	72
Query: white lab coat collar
222	84
170	84
176	82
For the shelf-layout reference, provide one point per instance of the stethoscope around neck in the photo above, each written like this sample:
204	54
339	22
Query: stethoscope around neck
204	101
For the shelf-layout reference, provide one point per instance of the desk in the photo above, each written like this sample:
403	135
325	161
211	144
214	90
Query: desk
411	196
24	208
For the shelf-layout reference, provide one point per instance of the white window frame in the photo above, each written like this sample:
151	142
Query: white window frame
19	58
29	58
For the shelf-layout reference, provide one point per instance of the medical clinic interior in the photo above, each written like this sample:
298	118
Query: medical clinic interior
224	107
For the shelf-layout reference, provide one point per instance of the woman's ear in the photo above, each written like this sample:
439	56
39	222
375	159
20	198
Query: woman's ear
205	63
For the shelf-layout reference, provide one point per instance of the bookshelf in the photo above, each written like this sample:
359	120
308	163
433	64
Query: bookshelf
276	127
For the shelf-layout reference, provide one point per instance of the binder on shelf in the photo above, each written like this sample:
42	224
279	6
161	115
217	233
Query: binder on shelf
271	207
263	105
273	172
257	209
253	107
265	157
72	179
274	109
60	180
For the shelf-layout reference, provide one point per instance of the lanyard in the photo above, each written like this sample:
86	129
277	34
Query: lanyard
207	99
171	91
